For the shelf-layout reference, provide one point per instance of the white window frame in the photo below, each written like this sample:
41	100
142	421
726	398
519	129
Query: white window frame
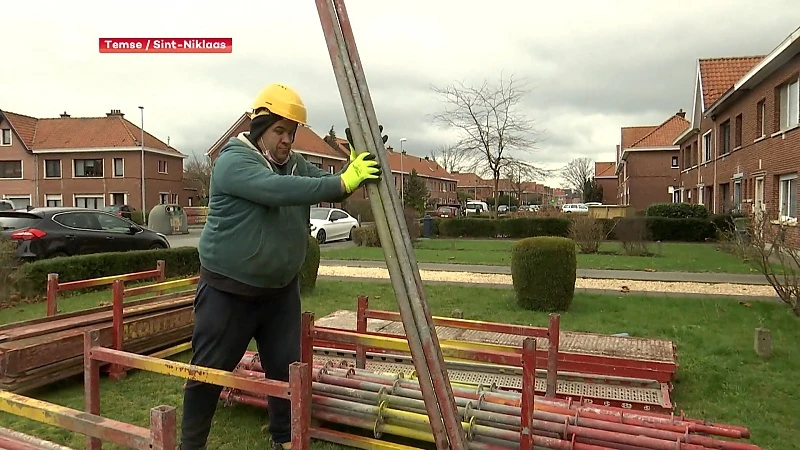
102	198
763	124
75	163
675	162
701	194
60	169
331	169
21	169
737	195
111	198
11	197
705	150
175	199
3	133
676	196
787	196
53	198
165	166
114	168
163	198
789	105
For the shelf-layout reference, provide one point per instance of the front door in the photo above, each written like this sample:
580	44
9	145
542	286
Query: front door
758	202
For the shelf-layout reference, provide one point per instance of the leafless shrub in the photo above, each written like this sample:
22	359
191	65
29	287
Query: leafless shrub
634	236
764	245
588	232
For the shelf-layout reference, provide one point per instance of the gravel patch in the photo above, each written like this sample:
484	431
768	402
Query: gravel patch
580	283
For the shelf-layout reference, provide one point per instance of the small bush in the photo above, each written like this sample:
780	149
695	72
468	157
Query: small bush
310	268
138	217
30	279
681	230
366	236
412	223
468	227
8	266
543	271
678	211
634	235
359	207
588	232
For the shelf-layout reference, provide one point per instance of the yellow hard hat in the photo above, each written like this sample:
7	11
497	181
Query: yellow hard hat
281	100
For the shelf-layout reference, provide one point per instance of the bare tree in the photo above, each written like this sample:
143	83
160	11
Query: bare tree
489	122
576	173
519	172
198	171
451	158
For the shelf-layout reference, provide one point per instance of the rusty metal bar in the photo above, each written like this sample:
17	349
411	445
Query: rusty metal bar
528	391
54	287
117	372
361	327
92	425
388	213
553	332
160	287
91	382
14	440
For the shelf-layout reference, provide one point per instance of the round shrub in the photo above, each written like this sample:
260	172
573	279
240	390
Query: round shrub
543	270
310	267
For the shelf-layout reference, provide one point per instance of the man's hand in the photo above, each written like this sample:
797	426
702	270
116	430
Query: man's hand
362	168
350	140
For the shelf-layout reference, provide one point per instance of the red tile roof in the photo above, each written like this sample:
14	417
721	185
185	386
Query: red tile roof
425	167
665	134
470	179
717	75
72	133
633	134
604	169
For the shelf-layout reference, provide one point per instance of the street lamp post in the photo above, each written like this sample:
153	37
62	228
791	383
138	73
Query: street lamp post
402	175
144	204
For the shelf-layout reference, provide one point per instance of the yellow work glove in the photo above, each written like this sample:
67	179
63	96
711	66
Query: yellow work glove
363	167
350	141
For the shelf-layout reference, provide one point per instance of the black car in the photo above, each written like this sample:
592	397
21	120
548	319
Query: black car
60	231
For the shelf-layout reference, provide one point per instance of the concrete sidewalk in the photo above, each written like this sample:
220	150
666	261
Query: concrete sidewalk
582	273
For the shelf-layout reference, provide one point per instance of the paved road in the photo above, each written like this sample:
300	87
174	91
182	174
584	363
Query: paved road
191	240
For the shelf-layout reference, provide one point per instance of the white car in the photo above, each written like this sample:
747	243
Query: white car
574	208
332	224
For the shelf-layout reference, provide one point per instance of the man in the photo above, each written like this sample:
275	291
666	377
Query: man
251	250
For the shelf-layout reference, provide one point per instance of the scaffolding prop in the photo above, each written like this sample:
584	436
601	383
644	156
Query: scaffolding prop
392	229
492	419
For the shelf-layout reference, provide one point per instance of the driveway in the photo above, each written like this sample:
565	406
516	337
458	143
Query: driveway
192	239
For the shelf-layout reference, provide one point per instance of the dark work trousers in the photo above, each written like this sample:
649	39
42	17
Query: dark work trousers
224	325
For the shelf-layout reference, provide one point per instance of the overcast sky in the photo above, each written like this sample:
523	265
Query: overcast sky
594	66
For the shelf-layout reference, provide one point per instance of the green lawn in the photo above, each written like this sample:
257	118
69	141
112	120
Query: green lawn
719	379
673	257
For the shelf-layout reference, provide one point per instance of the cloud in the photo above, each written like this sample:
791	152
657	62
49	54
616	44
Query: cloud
593	66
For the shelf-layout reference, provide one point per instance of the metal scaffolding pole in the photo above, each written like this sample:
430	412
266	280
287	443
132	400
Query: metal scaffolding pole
392	230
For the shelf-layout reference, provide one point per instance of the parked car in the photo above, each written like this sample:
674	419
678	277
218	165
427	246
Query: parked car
125	211
6	205
62	231
575	208
332	224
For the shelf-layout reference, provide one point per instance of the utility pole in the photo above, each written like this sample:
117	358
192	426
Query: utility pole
144	203
402	175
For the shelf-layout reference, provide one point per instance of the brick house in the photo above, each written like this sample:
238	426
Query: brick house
88	162
473	186
307	143
648	163
742	151
605	175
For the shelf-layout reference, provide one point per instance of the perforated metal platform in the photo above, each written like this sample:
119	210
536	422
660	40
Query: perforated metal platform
635	348
624	393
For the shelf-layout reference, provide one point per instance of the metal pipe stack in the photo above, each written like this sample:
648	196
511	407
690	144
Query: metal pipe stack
392	229
392	405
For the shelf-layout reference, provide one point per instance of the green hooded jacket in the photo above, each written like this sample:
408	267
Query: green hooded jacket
258	214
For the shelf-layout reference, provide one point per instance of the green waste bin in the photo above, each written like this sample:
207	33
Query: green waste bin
168	219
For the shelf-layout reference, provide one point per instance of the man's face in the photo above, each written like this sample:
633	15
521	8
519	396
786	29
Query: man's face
278	138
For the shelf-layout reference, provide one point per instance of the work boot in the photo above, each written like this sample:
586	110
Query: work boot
276	446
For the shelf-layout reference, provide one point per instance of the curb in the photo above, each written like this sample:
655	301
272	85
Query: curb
609	292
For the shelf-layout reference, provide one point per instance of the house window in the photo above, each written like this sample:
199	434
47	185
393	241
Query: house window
674	162
119	167
6	136
761	118
676	195
90	201
11	169
163	198
52	168
737	195
117	198
737	132
53	200
725	138
88	168
706	147
331	169
790	105
788	197
175	199
701	195
162	166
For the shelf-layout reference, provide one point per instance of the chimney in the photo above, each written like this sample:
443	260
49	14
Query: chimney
681	113
389	148
64	115
115	113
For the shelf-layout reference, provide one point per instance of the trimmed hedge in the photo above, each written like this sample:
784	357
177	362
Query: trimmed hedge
678	211
543	272
310	268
